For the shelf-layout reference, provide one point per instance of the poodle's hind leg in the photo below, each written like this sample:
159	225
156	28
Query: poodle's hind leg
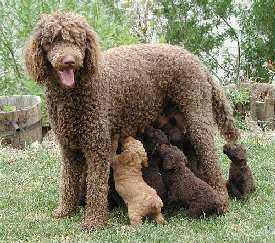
155	211
83	187
72	169
208	168
194	94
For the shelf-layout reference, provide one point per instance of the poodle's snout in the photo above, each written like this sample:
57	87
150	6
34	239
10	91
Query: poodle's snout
65	57
69	60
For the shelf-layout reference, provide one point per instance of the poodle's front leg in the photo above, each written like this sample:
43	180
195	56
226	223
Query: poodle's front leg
72	169
97	188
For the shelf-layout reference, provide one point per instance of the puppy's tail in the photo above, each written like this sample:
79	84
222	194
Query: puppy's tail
223	113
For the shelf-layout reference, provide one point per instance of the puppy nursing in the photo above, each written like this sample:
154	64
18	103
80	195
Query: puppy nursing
140	198
184	186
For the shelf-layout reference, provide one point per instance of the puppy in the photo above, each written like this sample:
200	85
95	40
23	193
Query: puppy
240	182
173	124
139	197
151	139
183	186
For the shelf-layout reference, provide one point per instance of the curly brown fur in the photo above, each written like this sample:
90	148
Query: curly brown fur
151	139
240	182
182	185
114	200
91	96
172	124
140	198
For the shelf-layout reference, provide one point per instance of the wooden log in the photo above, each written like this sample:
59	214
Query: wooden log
20	120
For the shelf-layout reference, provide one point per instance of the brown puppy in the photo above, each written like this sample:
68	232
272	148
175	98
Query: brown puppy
173	125
184	186
240	182
140	198
151	139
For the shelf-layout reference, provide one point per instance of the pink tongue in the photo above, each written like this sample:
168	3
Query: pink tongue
67	77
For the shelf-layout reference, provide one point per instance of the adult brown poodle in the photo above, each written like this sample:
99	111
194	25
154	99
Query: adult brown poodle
91	96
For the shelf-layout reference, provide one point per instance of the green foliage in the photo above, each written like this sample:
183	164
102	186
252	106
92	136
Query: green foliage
259	40
192	23
240	99
7	108
202	27
110	23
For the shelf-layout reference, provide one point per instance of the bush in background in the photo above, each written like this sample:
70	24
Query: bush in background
240	99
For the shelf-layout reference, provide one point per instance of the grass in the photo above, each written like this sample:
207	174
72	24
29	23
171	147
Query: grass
29	192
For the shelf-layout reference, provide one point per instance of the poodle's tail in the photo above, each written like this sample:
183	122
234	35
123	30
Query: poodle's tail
223	113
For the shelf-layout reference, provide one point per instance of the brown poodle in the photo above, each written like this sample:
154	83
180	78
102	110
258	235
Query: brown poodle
184	187
140	198
240	182
92	95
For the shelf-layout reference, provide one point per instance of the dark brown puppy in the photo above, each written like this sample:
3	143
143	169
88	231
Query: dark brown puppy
240	182
151	139
184	186
173	125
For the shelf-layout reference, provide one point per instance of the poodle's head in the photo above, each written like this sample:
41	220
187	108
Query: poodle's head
236	153
172	157
61	46
136	152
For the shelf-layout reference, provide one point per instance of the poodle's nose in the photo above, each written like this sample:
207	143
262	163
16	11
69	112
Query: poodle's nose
69	60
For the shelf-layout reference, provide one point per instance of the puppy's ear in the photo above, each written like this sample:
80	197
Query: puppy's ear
168	164
35	62
91	55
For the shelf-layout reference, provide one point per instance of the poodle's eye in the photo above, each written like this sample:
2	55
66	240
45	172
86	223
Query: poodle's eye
58	38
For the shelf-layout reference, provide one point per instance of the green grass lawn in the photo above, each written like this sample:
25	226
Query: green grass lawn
29	192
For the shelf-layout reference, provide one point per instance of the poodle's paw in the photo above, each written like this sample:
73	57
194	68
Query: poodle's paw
63	212
92	223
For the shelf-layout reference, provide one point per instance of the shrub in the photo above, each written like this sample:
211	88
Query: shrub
240	99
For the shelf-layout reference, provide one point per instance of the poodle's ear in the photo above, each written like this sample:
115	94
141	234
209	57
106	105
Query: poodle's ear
34	58
91	55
